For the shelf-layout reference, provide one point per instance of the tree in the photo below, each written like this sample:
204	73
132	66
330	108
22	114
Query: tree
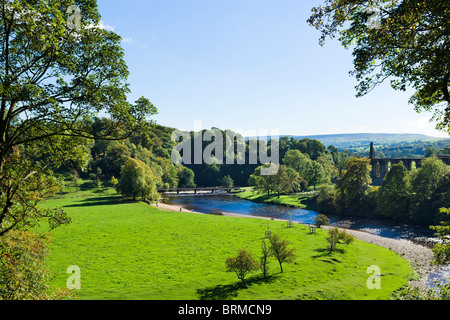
23	272
25	184
393	195
227	182
242	265
169	172
321	220
313	148
281	251
264	258
114	158
353	185
282	181
75	180
137	180
212	175
98	184
297	183
54	79
297	160
430	190
262	184
331	172
315	174
185	177
405	41
114	181
325	199
336	236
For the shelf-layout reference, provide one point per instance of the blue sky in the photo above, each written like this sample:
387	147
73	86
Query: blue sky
249	64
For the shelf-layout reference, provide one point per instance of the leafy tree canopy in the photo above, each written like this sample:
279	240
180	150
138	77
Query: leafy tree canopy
53	80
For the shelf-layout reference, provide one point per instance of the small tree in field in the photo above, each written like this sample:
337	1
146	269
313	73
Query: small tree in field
336	236
321	220
264	258
280	250
242	265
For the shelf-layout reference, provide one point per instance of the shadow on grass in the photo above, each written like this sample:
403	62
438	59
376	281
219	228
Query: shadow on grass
325	252
225	292
100	201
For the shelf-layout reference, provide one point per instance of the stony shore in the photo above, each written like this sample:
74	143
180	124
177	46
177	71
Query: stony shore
418	255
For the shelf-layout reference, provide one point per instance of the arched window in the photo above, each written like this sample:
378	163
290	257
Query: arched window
377	170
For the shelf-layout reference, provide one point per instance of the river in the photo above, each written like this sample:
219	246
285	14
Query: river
228	203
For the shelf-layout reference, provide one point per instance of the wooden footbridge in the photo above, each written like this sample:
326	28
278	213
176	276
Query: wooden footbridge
196	190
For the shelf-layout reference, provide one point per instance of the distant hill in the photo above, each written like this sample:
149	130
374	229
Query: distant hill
344	141
392	145
386	144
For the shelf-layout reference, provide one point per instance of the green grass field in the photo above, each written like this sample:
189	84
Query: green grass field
293	200
129	250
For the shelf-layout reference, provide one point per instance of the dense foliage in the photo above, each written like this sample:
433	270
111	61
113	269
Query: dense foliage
54	78
414	196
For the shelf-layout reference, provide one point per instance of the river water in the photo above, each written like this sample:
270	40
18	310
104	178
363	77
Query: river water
219	203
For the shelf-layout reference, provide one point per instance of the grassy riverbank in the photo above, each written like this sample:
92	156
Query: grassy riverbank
302	201
129	250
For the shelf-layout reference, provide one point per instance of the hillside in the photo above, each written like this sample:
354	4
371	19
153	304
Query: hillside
391	145
344	141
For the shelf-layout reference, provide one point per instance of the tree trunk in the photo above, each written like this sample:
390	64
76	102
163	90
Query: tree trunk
245	284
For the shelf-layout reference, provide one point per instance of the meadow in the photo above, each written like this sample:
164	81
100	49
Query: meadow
302	201
130	250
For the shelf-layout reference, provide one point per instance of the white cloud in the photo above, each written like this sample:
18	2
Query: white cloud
128	40
421	123
107	27
424	126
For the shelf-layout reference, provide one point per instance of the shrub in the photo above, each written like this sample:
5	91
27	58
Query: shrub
242	265
24	274
321	220
336	236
